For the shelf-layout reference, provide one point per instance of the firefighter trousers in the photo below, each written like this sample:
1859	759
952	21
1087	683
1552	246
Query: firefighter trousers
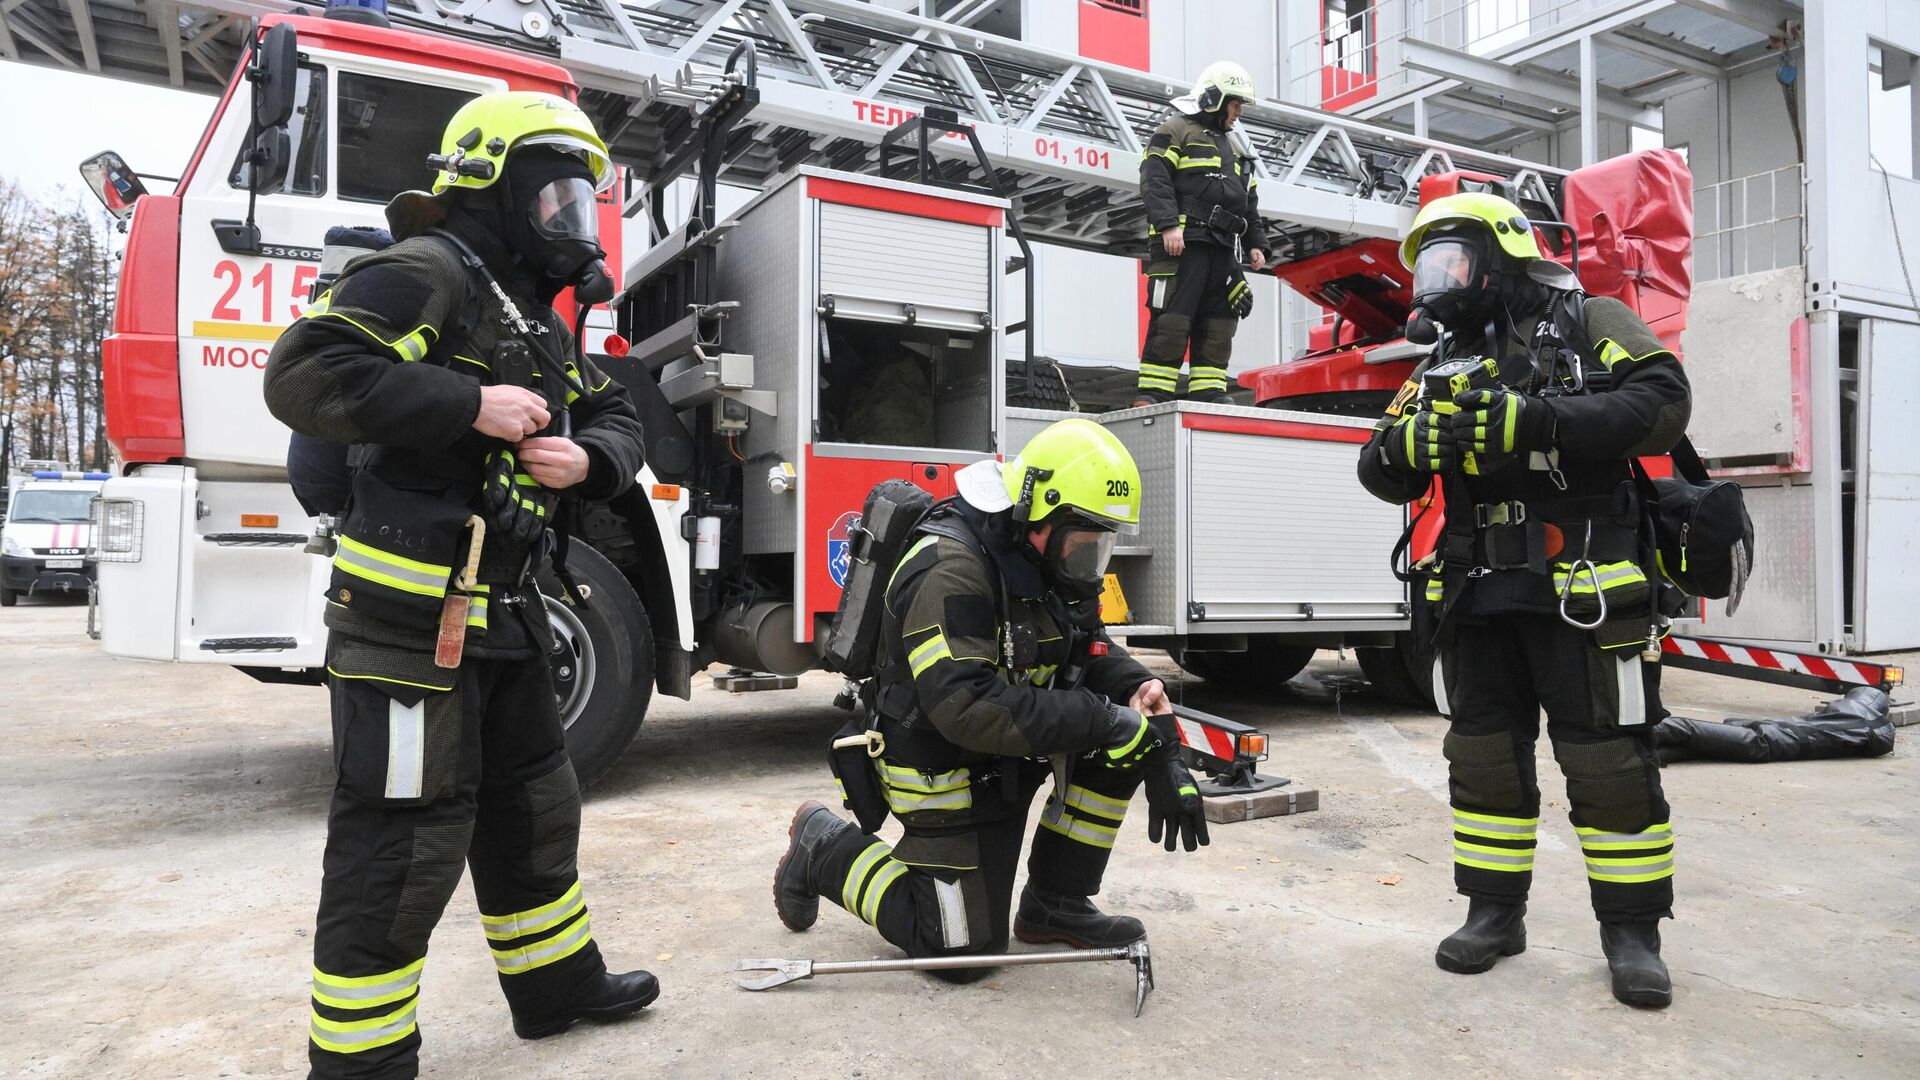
1495	677
437	769
957	895
1188	316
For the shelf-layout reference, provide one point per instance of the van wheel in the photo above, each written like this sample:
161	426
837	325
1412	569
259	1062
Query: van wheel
1267	663
602	662
9	597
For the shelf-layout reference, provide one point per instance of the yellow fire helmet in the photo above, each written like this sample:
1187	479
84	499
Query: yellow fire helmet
1504	221
1075	465
474	149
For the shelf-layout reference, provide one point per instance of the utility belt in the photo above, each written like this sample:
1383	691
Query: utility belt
1588	550
1516	535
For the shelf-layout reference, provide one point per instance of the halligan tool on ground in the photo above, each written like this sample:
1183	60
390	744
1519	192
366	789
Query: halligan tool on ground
767	974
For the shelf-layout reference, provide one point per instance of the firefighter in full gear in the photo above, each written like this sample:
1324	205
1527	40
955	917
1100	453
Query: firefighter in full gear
992	661
1203	217
446	737
1532	404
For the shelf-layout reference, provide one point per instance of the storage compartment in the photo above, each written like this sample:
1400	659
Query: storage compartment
907	386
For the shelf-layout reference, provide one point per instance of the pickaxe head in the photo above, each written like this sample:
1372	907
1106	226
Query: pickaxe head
767	974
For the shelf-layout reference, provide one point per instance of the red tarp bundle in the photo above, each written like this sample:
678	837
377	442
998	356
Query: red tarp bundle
1634	219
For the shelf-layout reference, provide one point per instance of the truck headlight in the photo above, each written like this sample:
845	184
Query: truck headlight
118	526
13	547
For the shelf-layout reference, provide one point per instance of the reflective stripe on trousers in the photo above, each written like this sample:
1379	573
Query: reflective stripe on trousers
380	1007
524	941
1494	842
1628	858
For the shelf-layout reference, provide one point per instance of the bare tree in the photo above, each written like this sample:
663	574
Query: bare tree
57	277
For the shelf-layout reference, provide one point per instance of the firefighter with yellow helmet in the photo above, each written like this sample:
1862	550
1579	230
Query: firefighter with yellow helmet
991	661
1203	218
1530	409
477	418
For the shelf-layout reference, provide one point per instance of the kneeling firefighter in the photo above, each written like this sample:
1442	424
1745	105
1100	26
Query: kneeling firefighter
1530	409
991	659
474	415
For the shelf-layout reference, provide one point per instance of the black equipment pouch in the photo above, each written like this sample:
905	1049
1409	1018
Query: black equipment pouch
1225	222
848	755
892	511
1702	531
399	547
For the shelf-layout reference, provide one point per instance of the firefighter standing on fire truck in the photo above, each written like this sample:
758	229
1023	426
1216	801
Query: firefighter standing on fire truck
1203	214
992	658
1534	402
454	756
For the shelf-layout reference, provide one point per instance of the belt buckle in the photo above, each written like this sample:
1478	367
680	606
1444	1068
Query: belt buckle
1487	515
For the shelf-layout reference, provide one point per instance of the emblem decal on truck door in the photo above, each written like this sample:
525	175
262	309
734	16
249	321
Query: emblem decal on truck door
840	547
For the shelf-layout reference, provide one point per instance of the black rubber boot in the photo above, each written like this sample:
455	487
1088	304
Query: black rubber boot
1633	955
609	998
1492	930
796	892
1052	918
1209	397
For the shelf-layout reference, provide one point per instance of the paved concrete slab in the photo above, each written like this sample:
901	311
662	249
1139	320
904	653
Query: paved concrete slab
164	827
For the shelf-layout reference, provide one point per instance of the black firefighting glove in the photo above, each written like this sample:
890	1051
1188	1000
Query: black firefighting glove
1173	800
1495	422
515	505
1421	442
1239	294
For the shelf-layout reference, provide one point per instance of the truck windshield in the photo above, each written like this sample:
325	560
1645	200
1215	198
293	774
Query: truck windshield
47	506
387	129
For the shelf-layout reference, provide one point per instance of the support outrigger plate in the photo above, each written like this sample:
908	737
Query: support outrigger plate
767	974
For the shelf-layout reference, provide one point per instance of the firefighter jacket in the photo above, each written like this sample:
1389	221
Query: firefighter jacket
1192	175
393	357
987	664
1527	519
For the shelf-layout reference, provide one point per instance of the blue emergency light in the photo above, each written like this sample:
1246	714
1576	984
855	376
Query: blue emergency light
368	11
51	474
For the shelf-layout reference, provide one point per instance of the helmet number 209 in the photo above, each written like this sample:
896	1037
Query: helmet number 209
1119	489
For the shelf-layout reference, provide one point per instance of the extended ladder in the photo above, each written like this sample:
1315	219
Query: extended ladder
1064	132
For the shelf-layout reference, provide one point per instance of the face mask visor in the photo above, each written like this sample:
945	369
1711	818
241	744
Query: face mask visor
1447	265
1080	554
565	210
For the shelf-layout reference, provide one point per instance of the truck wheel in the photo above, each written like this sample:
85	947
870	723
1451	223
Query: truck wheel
1402	674
602	662
9	597
1392	678
1268	662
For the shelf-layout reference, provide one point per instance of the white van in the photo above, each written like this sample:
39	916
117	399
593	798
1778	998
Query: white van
43	544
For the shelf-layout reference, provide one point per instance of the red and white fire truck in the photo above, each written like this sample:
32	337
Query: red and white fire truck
844	326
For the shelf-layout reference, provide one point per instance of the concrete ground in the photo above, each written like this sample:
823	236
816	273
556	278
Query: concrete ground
164	827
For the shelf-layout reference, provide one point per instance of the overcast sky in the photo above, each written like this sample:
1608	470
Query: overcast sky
54	118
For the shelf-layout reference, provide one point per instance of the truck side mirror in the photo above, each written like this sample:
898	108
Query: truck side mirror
268	163
113	182
275	72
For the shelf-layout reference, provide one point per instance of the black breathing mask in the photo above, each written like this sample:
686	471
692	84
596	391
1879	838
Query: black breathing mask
1453	284
553	223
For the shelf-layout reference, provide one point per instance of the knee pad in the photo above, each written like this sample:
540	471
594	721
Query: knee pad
553	804
1217	346
1167	338
433	870
1610	784
1483	772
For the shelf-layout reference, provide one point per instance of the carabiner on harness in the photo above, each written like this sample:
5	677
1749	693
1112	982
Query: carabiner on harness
1593	575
